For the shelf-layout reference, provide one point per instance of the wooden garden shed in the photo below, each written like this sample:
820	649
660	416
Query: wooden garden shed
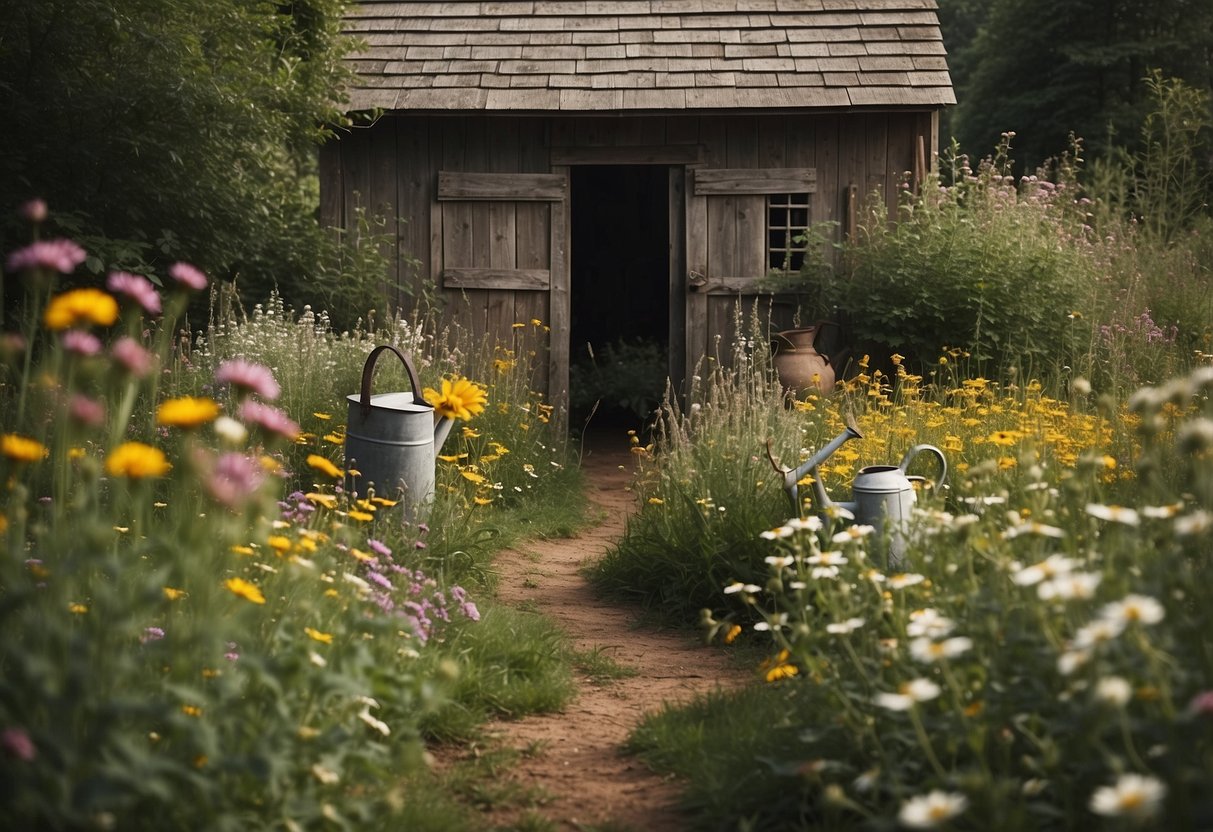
626	169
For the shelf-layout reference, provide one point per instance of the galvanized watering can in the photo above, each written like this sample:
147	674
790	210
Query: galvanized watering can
884	495
391	440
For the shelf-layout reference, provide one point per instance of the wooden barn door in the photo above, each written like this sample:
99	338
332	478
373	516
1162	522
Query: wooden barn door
504	251
736	223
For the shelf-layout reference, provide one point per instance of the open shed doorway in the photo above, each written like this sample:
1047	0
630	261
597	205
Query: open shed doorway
619	276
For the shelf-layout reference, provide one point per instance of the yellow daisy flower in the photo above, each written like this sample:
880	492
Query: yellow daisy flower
244	589
22	449
186	412
80	306
458	399
136	461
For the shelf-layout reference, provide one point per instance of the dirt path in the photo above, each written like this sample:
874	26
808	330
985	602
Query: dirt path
580	764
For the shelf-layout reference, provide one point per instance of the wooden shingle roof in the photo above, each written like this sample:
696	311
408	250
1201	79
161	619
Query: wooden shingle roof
595	55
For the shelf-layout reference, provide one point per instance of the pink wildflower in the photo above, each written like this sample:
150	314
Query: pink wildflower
62	256
246	375
136	288
188	276
234	479
86	411
34	210
16	743
269	419
134	358
81	343
1202	704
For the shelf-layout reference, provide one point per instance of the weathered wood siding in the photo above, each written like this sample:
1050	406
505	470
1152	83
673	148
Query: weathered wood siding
500	256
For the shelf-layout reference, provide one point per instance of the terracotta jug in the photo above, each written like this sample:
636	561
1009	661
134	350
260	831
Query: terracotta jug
800	367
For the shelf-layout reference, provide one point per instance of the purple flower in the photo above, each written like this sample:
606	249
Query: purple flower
376	578
151	634
1201	704
135	288
379	548
420	544
469	610
86	411
62	256
16	743
234	478
269	419
188	276
246	375
81	343
232	653
134	358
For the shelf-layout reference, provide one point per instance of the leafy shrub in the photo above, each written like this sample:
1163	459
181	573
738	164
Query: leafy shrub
982	263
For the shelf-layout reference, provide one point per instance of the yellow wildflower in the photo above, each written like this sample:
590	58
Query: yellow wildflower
191	710
244	589
77	609
365	517
186	412
324	466
80	306
174	594
279	543
22	449
316	635
324	416
472	476
458	399
136	461
481	501
326	500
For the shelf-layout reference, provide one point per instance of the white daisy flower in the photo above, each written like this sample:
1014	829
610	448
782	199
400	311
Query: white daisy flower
1097	632
777	533
1072	660
853	533
1075	586
1161	512
928	811
1048	568
776	621
812	523
1114	690
1134	609
928	622
1133	796
824	572
924	649
913	691
831	558
905	579
780	561
1195	523
1033	528
1116	514
845	627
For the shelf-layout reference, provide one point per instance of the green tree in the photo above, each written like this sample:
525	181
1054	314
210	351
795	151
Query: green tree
165	129
1043	69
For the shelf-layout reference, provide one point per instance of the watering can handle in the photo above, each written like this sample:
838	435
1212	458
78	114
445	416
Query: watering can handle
368	369
943	462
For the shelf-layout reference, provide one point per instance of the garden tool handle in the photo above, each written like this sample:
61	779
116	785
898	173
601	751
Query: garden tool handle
368	369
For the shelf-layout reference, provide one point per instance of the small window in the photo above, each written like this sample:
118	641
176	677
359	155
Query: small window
787	222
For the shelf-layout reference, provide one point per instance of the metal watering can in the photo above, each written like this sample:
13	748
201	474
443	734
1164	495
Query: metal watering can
392	441
883	494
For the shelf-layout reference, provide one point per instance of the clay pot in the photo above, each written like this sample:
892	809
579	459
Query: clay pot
800	367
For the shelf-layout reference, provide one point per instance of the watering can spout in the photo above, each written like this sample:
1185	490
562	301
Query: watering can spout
792	476
442	429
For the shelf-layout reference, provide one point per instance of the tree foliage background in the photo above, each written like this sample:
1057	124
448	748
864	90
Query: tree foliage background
178	129
1046	68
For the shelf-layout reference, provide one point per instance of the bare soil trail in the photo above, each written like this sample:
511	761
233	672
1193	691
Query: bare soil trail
576	758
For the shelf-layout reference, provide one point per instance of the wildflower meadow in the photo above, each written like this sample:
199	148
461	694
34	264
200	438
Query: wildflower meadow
204	629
